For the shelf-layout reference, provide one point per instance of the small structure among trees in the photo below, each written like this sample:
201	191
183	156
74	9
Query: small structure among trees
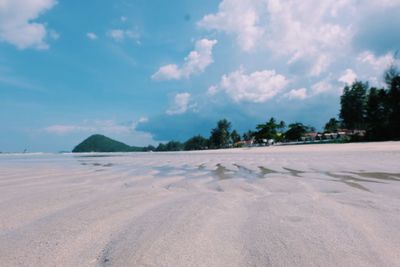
373	111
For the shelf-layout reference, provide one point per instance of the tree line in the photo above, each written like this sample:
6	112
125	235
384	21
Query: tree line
375	111
222	136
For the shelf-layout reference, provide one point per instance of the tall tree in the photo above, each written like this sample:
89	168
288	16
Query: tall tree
196	143
280	135
220	136
393	80
235	137
352	101
332	125
267	130
170	146
296	131
377	114
247	136
281	126
161	147
174	146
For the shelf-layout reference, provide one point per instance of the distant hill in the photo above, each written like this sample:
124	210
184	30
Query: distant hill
101	143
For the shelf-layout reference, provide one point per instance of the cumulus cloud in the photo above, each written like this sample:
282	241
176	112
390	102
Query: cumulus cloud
303	30
348	77
378	63
311	34
18	26
168	72
92	36
300	94
212	90
238	17
119	35
257	87
324	86
308	30
196	62
181	104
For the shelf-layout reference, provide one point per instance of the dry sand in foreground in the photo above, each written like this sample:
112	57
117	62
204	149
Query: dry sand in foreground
311	205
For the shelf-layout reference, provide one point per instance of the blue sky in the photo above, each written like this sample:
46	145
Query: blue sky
147	71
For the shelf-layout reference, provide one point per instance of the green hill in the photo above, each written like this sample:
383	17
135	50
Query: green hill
101	143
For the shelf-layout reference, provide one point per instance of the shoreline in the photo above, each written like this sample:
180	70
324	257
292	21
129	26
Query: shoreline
313	205
205	150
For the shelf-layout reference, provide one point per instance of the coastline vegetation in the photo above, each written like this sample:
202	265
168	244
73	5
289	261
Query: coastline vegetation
366	114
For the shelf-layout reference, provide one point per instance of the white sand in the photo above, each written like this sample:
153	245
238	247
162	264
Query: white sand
311	205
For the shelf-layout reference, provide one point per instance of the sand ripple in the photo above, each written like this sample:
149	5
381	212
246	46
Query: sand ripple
317	205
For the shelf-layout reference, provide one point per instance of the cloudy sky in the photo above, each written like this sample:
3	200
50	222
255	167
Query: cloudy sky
144	71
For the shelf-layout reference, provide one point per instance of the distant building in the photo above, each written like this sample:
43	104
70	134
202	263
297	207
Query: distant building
349	133
310	136
244	143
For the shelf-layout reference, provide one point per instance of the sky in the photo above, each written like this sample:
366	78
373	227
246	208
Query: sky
147	71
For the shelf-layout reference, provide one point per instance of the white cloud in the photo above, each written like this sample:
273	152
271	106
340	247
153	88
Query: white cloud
168	72
321	63
119	35
54	35
348	77
323	87
378	63
297	94
306	31
238	17
18	26
386	3
92	36
257	87
97	126
180	105
63	129
143	119
212	90
196	62
125	132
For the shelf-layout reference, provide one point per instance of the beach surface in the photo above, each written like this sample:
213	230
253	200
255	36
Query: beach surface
308	205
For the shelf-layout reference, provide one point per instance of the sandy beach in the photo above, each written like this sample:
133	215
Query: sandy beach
309	205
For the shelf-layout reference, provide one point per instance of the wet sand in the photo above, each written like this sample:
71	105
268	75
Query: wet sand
310	205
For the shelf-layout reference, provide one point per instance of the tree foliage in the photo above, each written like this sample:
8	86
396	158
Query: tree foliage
376	114
352	103
332	125
267	130
220	136
296	131
393	105
247	136
235	136
375	110
196	143
170	146
101	143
